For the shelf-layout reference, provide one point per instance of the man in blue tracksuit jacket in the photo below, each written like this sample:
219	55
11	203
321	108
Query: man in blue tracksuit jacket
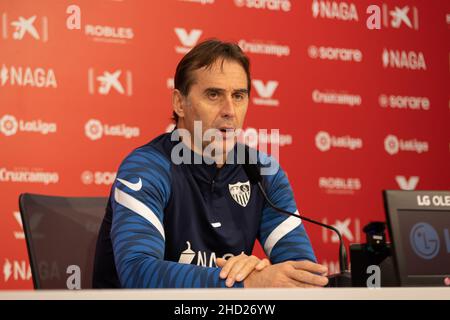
167	222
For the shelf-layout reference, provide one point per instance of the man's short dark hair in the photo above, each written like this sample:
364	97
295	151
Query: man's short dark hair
205	54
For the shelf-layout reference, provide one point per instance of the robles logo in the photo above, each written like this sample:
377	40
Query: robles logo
394	145
95	130
338	185
324	142
9	126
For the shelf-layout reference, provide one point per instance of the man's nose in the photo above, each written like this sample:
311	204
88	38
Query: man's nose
228	108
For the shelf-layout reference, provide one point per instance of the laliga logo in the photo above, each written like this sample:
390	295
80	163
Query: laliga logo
93	129
323	141
391	144
8	125
394	145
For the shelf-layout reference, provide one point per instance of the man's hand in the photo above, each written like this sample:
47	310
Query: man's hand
237	268
288	274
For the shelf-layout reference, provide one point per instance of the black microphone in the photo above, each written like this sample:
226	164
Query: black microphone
342	279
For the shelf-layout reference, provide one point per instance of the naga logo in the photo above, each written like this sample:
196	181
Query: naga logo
95	130
10	126
25	28
404	102
265	93
110	80
325	141
349	229
337	54
398	17
28	176
337	185
334	10
407	184
109	34
16	270
274	5
394	145
25	76
188	40
98	177
336	98
264	48
400	59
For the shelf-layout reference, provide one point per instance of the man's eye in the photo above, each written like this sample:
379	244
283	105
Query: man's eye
213	95
238	97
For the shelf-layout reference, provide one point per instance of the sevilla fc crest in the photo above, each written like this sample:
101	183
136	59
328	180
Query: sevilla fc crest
240	192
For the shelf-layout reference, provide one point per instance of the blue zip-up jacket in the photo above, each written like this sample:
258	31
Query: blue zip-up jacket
166	223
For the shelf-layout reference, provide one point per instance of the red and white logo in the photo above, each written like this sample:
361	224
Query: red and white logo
9	126
106	81
16	270
265	93
187	39
25	175
335	54
400	16
400	59
95	130
334	10
19	235
404	102
324	142
393	145
330	97
339	185
270	49
349	229
98	177
407	184
27	77
24	27
273	5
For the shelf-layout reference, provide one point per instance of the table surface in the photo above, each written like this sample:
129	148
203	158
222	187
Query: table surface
412	293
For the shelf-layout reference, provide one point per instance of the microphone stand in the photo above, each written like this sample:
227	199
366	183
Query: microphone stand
341	279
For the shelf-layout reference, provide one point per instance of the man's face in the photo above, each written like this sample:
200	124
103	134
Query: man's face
218	98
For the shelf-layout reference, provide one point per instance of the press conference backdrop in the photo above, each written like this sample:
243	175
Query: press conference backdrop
359	109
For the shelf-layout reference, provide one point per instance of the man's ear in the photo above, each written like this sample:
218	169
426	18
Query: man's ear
178	103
